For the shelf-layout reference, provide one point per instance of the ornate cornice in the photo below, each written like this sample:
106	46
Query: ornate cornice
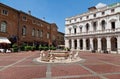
89	12
97	18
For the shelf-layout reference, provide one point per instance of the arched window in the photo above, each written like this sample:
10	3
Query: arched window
70	44
113	44
48	35
103	23
81	43
41	33
80	29
104	43
113	25
24	30
37	33
33	32
87	27
53	37
75	29
3	27
94	26
88	44
75	44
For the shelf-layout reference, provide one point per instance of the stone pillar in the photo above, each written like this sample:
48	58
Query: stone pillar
84	44
99	44
78	30
108	44
117	22
84	28
78	44
108	24
73	45
91	27
67	43
118	44
72	30
91	44
99	27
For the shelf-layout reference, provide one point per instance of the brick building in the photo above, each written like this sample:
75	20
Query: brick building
60	38
20	27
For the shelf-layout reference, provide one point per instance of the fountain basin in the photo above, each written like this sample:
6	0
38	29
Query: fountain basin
58	57
60	54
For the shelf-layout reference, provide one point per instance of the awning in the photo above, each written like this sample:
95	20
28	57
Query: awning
4	40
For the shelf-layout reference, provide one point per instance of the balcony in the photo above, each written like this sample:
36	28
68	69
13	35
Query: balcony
99	32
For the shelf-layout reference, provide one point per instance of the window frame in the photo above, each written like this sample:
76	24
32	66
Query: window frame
113	25
24	31
41	33
112	10
33	32
4	12
3	27
48	35
94	15
24	18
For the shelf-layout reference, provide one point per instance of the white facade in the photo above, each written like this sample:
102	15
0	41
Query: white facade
97	30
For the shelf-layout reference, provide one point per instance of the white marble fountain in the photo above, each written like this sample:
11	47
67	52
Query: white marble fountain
58	57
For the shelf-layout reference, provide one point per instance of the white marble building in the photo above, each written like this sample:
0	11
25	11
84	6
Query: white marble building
98	29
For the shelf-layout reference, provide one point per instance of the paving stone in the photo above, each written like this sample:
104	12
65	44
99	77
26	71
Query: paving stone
93	77
23	72
65	70
114	76
5	63
104	66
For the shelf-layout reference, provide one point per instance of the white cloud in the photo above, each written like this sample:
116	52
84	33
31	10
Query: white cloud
100	5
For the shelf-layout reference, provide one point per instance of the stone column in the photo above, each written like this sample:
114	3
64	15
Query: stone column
118	44
78	30
91	44
99	44
91	26
99	27
67	43
84	44
72	31
108	44
83	29
117	22
73	45
66	30
78	44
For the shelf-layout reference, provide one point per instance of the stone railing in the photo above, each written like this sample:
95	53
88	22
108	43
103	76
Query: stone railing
95	32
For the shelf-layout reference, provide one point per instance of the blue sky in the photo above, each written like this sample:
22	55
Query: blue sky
55	11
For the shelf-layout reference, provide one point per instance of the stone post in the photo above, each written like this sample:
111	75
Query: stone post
99	44
118	44
78	44
67	43
73	45
91	44
108	44
84	44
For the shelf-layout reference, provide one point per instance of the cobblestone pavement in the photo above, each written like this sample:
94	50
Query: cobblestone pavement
95	66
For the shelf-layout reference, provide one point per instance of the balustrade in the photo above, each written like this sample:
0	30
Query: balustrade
96	32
